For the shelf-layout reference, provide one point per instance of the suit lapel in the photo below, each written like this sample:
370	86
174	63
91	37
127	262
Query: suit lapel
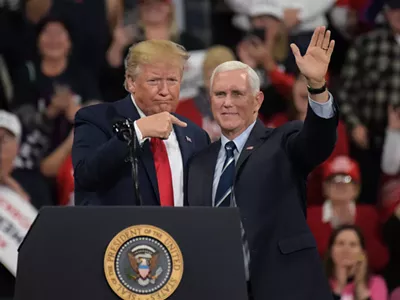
185	144
127	109
256	138
208	171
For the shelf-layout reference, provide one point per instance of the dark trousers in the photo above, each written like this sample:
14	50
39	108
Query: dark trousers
249	291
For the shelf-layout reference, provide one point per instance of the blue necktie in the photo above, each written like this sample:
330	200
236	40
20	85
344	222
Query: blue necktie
225	184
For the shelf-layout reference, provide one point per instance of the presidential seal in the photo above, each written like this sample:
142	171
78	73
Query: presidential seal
143	262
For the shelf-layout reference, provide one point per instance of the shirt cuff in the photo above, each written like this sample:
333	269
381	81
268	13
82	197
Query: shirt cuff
323	110
139	134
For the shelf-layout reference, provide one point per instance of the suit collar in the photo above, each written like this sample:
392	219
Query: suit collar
127	108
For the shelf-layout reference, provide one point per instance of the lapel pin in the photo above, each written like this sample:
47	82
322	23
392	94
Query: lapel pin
250	148
188	139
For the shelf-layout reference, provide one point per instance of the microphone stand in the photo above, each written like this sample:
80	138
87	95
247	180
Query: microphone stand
133	158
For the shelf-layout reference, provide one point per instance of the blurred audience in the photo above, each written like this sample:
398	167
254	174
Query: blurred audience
370	82
391	233
48	92
347	267
10	134
341	188
91	24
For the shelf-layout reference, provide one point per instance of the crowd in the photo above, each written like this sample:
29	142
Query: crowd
58	56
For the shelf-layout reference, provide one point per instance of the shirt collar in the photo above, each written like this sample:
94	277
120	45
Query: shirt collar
240	140
141	113
327	211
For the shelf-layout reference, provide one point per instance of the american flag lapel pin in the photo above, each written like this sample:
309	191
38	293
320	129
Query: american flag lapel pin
250	148
188	139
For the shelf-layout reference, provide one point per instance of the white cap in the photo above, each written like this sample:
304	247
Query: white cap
11	122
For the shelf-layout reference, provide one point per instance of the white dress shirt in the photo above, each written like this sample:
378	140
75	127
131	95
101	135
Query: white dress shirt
174	156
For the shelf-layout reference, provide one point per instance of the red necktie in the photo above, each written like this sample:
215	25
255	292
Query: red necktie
163	170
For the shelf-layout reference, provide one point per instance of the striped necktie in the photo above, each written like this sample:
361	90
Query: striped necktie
225	184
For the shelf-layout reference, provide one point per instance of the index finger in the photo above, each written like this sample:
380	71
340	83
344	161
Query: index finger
178	122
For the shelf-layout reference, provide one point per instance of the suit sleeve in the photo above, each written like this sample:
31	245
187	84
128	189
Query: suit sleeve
314	142
96	157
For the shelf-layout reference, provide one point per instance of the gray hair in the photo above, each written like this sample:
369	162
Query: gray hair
254	80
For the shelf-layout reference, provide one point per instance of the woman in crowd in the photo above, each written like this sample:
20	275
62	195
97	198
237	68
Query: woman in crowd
341	186
347	267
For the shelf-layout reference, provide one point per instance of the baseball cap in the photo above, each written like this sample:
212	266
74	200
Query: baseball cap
261	9
393	4
342	169
11	123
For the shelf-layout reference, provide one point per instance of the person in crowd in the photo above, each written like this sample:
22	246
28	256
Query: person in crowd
298	111
390	165
58	165
391	146
262	171
47	93
10	134
91	25
390	196
154	71
341	189
198	109
151	19
347	267
369	84
391	232
265	48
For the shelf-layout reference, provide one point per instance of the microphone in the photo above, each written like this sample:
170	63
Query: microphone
122	128
125	131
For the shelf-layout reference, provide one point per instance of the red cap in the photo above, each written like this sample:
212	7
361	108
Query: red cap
342	167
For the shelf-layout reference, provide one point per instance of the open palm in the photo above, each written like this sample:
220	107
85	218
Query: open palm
314	64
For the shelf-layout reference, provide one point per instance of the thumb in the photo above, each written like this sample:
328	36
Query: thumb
296	51
178	122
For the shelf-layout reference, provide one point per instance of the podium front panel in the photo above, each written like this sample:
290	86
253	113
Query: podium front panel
63	255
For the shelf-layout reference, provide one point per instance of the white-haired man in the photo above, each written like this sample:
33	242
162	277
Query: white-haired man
268	170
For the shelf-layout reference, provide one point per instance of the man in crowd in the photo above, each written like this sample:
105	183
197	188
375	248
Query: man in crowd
370	82
154	70
263	172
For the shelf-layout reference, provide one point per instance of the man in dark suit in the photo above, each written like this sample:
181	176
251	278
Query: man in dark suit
263	171
102	172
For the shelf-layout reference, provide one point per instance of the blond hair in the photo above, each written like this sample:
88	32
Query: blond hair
173	24
217	55
153	51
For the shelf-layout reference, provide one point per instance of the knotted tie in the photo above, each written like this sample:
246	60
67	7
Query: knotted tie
225	184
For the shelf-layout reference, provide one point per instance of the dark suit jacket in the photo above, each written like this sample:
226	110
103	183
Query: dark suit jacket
270	188
102	175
